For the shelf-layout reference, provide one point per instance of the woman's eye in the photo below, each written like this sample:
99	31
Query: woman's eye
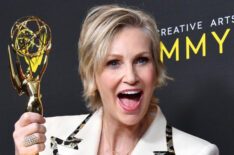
142	60
112	63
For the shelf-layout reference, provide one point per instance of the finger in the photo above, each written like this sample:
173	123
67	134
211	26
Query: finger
33	139
28	130
34	149
41	138
29	117
30	140
33	128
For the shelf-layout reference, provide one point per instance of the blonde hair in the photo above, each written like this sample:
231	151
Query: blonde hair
98	30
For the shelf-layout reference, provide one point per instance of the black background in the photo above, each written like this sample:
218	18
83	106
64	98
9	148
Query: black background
198	101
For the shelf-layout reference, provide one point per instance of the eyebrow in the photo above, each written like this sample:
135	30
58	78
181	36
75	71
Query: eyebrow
120	56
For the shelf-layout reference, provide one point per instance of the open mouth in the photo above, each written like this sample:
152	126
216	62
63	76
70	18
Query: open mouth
130	100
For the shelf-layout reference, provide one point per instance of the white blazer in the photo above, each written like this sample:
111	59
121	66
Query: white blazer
88	137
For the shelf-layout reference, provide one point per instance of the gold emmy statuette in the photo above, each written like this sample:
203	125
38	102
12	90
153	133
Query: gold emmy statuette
30	41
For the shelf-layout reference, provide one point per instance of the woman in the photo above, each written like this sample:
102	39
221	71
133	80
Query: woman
120	69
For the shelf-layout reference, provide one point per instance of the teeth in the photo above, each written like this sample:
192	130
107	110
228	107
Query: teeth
130	92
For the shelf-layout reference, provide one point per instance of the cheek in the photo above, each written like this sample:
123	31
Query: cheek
110	79
106	84
148	76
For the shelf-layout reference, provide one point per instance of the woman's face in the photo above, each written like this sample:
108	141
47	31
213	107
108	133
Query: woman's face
128	78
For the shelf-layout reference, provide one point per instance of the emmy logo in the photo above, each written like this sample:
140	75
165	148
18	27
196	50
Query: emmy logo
30	42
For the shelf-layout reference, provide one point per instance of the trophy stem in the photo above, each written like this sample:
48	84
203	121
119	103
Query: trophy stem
34	103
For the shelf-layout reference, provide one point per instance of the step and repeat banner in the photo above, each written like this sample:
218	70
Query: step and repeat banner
197	48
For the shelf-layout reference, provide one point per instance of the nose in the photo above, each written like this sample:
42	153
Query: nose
130	76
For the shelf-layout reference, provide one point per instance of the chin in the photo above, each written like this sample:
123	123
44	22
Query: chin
131	119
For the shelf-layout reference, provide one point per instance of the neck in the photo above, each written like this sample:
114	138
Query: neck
118	138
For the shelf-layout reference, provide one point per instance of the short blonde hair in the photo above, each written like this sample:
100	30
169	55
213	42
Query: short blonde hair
98	30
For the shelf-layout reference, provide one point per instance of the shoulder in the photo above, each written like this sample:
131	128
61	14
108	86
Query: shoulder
185	143
62	126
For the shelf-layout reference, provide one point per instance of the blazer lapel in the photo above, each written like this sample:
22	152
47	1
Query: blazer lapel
154	140
90	134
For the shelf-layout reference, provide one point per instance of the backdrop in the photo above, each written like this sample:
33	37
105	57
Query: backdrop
197	48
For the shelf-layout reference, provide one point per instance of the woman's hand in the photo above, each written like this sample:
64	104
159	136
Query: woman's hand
29	124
